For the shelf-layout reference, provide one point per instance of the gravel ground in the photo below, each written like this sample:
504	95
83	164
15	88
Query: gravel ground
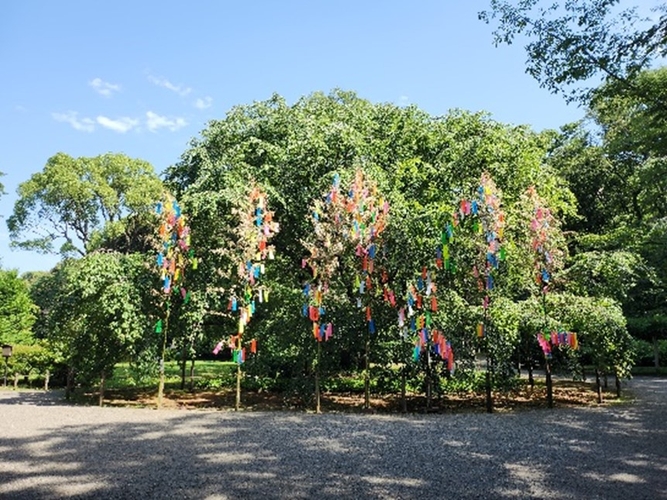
52	450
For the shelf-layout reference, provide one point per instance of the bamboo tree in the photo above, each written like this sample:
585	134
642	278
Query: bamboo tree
174	255
488	222
253	232
547	257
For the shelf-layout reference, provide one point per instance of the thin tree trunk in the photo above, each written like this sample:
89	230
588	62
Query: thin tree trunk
656	354
531	378
47	375
101	396
598	385
618	386
489	397
550	385
404	383
183	363
160	389
367	374
238	386
318	408
428	380
192	375
69	386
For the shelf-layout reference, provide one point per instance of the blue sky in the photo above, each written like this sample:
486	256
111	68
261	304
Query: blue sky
143	78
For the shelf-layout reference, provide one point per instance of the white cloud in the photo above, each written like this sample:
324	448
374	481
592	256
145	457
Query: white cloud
155	121
71	117
163	82
204	103
104	88
121	125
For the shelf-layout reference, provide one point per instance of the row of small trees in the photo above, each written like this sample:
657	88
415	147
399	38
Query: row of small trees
380	203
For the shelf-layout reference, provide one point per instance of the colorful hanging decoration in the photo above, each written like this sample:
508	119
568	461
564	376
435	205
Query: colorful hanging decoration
557	339
174	253
488	219
369	214
546	240
416	320
357	216
256	228
443	257
325	247
546	244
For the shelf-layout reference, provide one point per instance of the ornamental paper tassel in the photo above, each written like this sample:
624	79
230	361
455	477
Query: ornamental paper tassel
401	317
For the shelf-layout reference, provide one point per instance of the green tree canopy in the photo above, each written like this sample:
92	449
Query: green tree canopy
73	199
17	311
573	42
422	164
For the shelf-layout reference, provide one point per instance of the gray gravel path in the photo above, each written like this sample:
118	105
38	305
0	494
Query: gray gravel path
51	450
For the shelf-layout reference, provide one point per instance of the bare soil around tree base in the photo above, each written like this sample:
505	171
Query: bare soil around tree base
566	394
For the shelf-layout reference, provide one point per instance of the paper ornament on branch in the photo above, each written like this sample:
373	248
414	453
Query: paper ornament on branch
254	232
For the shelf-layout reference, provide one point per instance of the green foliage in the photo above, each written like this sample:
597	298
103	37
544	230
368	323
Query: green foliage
601	328
33	359
421	164
73	199
102	311
17	311
646	355
574	42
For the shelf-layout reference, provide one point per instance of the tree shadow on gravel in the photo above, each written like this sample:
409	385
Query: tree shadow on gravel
613	452
35	397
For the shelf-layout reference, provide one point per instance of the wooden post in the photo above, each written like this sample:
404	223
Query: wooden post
160	389
101	395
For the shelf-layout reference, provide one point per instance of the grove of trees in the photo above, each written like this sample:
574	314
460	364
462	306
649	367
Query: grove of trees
504	231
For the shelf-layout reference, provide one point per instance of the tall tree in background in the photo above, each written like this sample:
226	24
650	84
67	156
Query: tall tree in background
72	200
420	163
577	43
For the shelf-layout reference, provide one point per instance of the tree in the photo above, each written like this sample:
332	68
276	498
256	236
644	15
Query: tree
73	199
102	311
421	164
573	42
17	311
617	172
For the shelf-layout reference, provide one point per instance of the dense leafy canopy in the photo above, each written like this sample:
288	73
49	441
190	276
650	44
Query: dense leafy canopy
17	311
73	199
